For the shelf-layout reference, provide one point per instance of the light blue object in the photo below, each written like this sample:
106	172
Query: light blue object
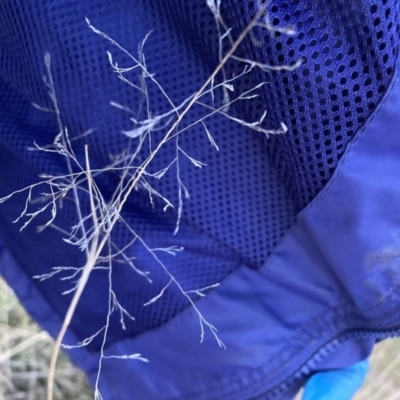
340	384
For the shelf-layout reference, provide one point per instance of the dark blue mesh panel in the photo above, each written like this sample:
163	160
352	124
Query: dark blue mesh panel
249	193
349	51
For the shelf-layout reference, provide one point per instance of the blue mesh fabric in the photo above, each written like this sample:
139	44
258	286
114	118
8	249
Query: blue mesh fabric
349	51
249	193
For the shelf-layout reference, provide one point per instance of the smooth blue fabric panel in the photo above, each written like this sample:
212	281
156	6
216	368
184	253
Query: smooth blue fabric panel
361	208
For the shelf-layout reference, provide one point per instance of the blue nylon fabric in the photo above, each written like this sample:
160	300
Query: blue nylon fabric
283	310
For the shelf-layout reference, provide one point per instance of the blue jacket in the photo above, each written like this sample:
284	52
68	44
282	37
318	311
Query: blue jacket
300	229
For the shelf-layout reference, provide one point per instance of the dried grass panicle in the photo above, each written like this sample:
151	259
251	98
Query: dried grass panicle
93	233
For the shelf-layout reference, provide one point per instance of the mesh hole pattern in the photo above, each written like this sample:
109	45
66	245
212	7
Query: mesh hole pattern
349	52
250	192
238	209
